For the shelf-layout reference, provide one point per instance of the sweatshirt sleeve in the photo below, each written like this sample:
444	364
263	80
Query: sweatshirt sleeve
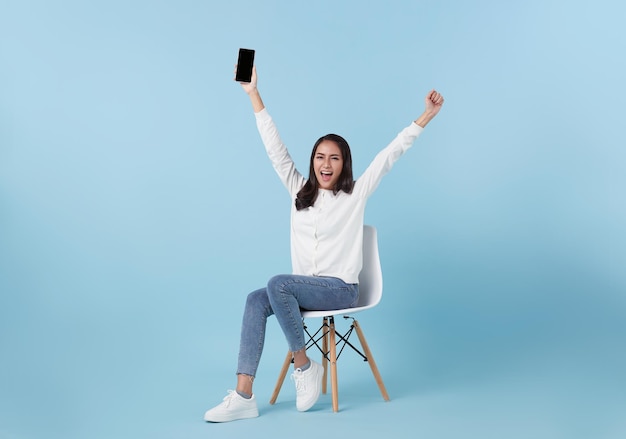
278	154
385	159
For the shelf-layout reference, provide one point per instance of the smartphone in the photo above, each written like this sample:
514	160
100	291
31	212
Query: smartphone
244	65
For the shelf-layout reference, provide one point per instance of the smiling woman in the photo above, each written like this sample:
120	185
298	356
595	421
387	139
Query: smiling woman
326	251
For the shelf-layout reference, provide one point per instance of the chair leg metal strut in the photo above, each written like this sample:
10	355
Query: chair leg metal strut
328	336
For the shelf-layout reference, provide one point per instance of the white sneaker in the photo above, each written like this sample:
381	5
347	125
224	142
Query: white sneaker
232	408
308	385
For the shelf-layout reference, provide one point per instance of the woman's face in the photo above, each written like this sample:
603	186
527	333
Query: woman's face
327	163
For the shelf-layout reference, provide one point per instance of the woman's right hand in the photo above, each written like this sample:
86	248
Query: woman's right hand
249	87
252	91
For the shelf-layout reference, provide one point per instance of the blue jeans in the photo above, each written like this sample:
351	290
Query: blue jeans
285	296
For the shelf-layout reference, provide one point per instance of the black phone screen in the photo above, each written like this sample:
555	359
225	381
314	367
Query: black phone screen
244	65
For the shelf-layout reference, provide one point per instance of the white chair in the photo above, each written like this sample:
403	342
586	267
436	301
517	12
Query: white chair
370	293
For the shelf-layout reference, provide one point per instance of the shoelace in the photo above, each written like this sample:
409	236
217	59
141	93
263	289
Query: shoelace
297	378
228	398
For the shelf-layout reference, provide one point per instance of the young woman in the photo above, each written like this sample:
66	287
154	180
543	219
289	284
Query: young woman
326	250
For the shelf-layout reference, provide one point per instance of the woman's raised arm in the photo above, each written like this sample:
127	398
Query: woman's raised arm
251	89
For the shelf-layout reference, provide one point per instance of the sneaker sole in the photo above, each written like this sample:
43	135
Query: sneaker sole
241	415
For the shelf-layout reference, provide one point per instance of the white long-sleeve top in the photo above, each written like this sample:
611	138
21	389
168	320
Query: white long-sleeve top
327	238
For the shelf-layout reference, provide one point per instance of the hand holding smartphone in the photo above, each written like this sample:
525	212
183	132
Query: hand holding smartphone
245	63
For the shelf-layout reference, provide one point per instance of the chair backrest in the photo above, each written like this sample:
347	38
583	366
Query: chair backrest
371	276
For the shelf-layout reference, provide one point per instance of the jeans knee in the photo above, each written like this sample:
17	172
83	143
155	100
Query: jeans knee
254	297
258	301
275	285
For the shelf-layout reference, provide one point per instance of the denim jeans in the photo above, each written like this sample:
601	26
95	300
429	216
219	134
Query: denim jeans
284	296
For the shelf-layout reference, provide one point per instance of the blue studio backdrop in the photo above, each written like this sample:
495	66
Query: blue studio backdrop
138	209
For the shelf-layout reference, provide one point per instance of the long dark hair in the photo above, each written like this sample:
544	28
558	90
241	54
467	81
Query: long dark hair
308	194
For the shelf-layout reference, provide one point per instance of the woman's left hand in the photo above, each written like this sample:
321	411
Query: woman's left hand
434	102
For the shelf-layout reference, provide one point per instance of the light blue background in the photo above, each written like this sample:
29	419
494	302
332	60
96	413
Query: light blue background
137	210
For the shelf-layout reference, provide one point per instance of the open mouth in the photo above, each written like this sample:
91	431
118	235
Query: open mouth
326	176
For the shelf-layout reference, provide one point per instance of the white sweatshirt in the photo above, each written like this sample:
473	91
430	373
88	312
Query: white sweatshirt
327	238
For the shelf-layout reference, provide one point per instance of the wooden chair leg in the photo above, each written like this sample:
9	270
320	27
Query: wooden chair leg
370	360
333	366
324	355
281	377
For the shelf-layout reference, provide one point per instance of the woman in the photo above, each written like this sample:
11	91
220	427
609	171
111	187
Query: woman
326	251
